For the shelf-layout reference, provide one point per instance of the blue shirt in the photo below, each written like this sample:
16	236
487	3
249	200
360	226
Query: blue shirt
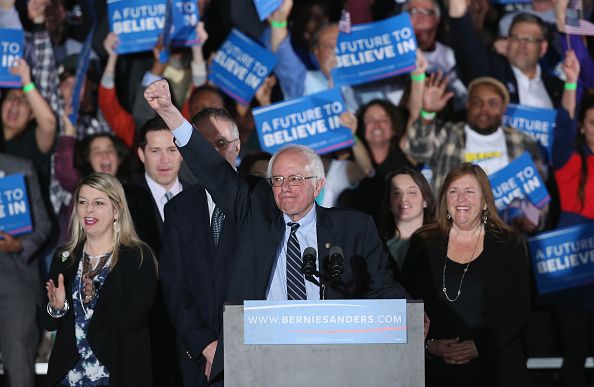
307	237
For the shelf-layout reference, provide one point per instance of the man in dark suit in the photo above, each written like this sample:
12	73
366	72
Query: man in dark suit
275	225
147	196
198	242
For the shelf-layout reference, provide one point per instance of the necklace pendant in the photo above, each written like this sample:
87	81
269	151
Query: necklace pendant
444	290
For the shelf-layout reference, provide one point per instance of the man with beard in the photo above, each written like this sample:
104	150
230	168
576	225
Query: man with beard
480	140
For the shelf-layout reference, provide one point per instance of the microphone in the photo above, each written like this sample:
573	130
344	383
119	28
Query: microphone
308	266
336	263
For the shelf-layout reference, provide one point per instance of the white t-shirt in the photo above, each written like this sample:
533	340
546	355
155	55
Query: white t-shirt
487	151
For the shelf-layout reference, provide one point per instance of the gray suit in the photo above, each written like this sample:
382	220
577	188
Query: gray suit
20	285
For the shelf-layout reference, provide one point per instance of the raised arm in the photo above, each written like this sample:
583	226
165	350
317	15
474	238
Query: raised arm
45	132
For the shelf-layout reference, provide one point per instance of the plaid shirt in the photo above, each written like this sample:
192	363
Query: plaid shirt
441	147
40	54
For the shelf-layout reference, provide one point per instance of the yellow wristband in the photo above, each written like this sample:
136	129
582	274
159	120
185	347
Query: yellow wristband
28	87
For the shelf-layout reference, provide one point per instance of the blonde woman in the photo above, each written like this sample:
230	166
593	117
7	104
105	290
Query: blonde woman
100	290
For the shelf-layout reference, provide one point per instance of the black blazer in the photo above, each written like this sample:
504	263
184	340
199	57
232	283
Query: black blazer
193	276
260	226
503	273
473	60
118	332
145	212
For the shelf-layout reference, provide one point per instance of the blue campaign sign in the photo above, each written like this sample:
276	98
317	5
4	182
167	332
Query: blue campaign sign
11	47
240	66
313	120
266	7
563	258
15	213
375	50
138	23
538	123
185	18
325	322
519	180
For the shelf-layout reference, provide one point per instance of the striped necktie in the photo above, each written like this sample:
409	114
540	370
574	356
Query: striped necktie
295	279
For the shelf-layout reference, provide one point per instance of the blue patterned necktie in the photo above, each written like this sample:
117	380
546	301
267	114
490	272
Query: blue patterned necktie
168	196
295	279
216	223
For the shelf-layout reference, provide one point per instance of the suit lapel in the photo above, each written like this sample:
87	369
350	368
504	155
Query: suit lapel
326	237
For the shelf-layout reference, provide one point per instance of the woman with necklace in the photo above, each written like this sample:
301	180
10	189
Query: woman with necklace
100	290
472	272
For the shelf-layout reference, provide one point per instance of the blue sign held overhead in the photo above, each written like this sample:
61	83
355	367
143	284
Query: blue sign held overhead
538	123
185	18
138	23
325	322
15	213
11	50
266	7
313	120
517	181
563	258
375	50
240	66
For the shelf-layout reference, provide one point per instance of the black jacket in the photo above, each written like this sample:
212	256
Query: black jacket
118	333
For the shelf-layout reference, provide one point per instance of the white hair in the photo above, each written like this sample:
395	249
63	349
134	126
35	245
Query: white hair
313	162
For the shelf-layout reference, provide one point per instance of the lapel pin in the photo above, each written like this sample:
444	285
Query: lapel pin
327	245
65	256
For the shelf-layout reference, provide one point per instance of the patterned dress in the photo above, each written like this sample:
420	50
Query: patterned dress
88	371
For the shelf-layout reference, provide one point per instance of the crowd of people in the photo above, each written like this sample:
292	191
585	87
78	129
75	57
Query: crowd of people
154	203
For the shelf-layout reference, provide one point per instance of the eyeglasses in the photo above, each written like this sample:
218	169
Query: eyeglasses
526	39
222	143
294	180
422	12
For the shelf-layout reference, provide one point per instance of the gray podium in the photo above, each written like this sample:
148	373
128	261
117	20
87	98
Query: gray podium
306	365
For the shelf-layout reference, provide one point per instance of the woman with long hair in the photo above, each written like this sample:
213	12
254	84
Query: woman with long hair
472	272
407	205
100	289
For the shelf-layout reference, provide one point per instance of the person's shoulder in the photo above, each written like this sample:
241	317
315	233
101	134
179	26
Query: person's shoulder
345	214
136	251
15	162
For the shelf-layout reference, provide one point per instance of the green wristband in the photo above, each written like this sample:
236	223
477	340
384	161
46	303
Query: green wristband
277	24
570	85
28	87
427	115
418	77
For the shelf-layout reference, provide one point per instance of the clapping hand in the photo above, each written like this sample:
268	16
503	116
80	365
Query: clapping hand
56	295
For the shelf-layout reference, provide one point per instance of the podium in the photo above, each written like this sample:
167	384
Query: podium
309	365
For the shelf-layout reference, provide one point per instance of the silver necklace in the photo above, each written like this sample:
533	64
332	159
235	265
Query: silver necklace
445	262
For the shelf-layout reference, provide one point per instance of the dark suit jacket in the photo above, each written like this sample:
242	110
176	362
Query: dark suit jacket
473	60
145	212
260	229
194	276
260	225
118	332
149	226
